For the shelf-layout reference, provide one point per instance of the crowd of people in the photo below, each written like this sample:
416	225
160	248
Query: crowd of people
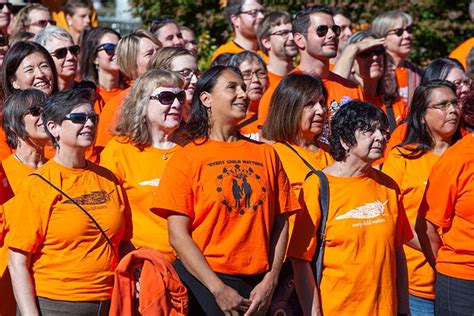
308	170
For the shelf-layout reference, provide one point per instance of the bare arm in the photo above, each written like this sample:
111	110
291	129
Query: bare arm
402	281
22	282
180	239
414	242
429	239
308	293
261	295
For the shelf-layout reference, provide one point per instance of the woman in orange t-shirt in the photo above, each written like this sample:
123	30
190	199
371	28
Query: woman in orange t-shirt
26	137
53	237
432	126
396	27
139	153
364	269
226	199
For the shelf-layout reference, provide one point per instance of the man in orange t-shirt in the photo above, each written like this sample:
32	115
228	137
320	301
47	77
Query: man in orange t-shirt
275	37
445	228
244	16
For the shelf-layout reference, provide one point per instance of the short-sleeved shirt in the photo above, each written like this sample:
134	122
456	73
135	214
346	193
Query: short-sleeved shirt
232	192
140	171
411	175
231	47
366	223
462	51
71	259
448	204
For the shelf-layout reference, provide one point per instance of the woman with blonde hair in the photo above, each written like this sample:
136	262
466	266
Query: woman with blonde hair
32	18
143	144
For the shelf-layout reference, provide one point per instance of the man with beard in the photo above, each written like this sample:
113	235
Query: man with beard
275	38
244	16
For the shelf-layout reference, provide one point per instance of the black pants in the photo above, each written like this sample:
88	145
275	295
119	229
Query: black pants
201	300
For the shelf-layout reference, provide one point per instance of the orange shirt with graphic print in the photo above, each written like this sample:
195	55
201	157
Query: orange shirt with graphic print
231	192
448	204
231	47
139	172
365	225
64	242
411	175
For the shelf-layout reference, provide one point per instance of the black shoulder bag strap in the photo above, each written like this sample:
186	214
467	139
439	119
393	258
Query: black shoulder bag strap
82	209
317	262
248	121
390	115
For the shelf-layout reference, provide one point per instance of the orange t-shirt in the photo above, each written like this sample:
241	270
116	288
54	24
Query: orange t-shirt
231	193
403	74
462	51
365	225
139	172
448	204
411	176
264	107
106	95
55	7
109	118
232	48
400	109
71	260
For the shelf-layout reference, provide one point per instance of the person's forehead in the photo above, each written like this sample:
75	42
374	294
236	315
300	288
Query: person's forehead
321	18
339	19
170	28
249	5
54	43
280	27
250	64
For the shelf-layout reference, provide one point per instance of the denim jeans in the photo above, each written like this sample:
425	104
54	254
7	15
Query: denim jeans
454	297
421	306
49	307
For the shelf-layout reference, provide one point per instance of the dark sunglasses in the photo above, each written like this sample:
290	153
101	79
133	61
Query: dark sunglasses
81	118
108	48
7	4
35	110
376	51
3	41
61	53
167	97
322	30
43	23
399	32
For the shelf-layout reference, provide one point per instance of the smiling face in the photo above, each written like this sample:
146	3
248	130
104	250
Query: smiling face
67	66
165	117
103	60
461	81
442	123
399	46
34	72
346	30
187	67
281	43
324	47
169	35
228	102
246	23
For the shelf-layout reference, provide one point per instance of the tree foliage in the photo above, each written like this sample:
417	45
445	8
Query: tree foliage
441	25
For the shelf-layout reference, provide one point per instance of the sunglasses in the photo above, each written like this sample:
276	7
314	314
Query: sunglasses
43	23
35	111
7	4
81	118
167	97
108	48
399	32
3	41
322	30
61	53
376	51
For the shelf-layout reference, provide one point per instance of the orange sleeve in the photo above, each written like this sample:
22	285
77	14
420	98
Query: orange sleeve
404	232
109	118
394	166
303	241
264	106
462	51
286	196
108	159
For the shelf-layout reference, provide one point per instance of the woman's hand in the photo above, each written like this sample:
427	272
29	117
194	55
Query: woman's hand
261	296
230	301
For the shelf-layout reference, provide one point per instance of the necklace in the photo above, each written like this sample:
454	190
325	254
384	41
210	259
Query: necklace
18	158
168	152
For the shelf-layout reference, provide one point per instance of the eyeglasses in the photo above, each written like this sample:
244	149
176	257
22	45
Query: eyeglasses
445	105
108	48
81	118
322	30
399	32
167	97
282	33
43	23
35	110
466	82
254	13
368	53
61	53
7	4
188	73
260	74
3	41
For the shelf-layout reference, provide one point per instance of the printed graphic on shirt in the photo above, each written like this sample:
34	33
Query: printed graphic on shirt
334	106
93	198
240	188
151	183
366	212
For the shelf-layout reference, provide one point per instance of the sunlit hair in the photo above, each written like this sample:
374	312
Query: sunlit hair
384	22
133	123
50	33
165	56
22	19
